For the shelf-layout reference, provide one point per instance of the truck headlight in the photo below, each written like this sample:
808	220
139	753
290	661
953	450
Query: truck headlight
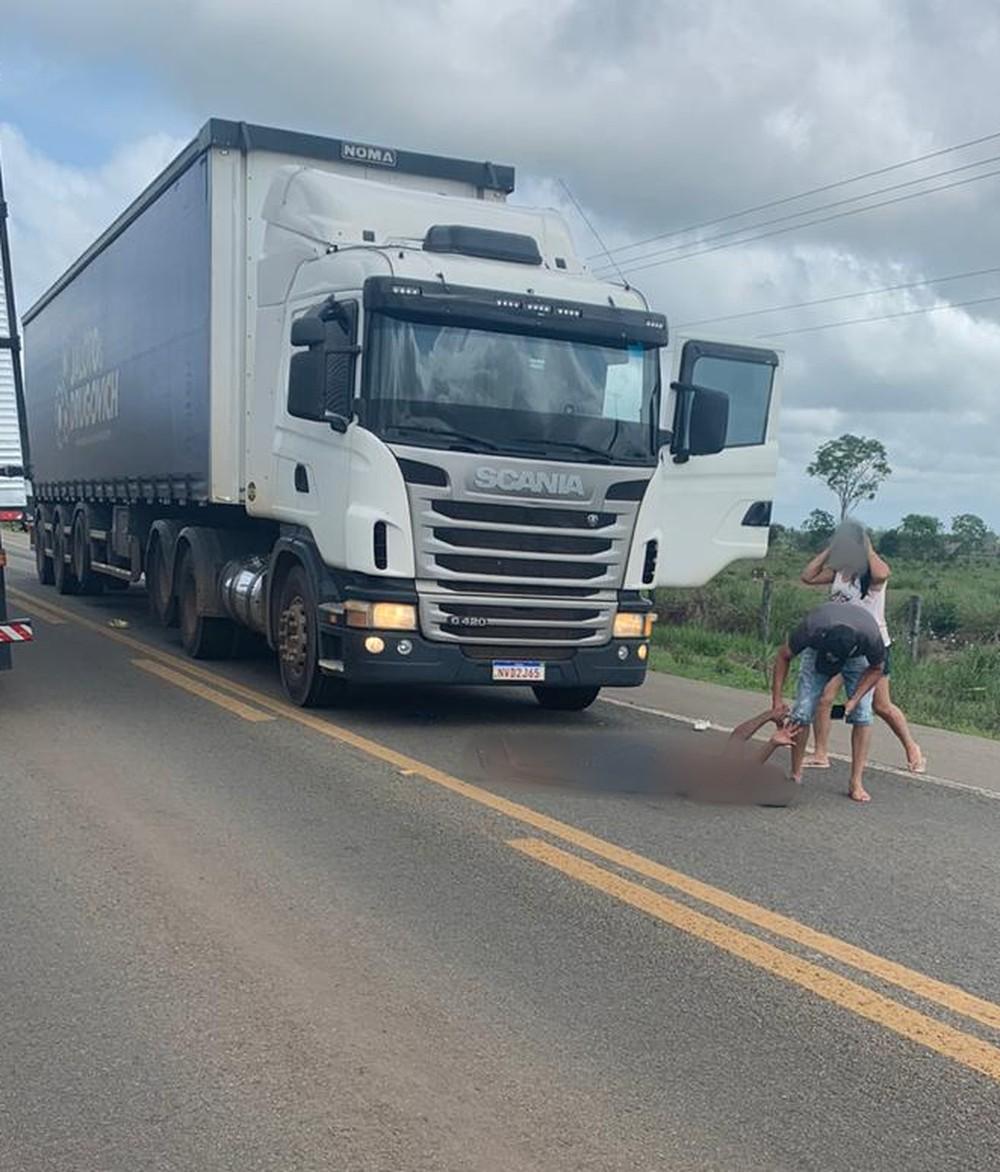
381	616
633	624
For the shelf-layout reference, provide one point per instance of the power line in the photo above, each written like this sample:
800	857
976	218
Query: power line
855	321
961	146
805	212
593	231
839	297
809	223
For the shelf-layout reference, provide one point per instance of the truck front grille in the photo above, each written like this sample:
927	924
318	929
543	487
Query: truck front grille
518	573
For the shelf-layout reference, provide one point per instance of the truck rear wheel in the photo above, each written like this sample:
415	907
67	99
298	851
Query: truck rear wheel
159	587
298	643
62	571
202	636
566	699
43	562
87	581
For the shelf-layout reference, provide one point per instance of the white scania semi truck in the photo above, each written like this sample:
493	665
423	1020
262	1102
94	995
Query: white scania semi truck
349	397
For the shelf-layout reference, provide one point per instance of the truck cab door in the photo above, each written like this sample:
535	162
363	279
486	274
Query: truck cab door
702	512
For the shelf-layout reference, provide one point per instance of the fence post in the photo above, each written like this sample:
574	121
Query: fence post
916	612
765	611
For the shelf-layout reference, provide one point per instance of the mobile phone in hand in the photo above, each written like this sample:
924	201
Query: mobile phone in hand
838	711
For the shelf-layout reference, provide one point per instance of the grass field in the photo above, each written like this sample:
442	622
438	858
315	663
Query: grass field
712	633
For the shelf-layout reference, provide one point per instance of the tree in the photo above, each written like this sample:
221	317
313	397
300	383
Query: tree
920	536
818	528
971	532
852	467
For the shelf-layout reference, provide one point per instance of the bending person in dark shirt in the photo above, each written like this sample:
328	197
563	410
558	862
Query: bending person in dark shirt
837	638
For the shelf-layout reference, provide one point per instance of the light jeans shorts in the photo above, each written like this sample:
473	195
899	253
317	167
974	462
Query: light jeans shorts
812	683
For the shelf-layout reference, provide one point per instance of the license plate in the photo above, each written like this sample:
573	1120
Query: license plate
518	671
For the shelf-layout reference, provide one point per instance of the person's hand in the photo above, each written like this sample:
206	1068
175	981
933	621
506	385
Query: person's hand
779	713
785	735
849	707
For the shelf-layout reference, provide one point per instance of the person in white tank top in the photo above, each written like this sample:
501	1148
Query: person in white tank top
860	576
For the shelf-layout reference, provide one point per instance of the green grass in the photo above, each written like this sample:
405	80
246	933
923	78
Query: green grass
712	634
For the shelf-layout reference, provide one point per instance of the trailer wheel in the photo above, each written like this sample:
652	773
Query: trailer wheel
159	587
62	572
298	644
87	581
202	636
43	562
566	699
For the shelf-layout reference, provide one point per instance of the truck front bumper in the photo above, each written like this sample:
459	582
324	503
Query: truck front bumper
429	662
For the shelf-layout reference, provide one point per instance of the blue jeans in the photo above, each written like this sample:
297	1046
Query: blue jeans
812	683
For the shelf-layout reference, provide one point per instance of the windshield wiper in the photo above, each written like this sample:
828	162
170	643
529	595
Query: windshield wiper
571	446
448	433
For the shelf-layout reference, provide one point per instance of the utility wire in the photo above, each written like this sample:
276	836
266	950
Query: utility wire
809	223
593	231
961	146
855	321
823	207
839	297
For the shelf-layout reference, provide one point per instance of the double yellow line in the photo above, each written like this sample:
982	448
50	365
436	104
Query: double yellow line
960	1046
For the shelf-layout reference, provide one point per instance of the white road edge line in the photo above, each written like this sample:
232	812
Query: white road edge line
691	721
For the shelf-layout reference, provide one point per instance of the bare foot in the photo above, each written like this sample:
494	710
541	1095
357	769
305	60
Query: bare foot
918	762
814	761
859	794
797	780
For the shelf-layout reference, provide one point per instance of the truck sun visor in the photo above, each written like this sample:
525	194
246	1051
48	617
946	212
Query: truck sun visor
483	242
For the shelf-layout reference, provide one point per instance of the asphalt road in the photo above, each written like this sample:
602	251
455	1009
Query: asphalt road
233	936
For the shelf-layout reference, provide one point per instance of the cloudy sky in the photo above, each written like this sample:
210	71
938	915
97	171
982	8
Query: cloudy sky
657	115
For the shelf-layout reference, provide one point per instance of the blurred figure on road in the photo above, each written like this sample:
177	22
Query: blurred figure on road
855	573
835	639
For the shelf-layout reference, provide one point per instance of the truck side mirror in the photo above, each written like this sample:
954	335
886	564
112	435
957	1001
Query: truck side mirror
709	422
306	384
701	421
321	381
308	331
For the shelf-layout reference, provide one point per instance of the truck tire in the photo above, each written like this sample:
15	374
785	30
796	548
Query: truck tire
87	581
62	572
160	587
43	562
202	636
566	699
297	642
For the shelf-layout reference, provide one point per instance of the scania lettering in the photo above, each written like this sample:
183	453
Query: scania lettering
348	397
530	482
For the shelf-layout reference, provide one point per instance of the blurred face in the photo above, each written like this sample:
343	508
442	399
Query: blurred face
848	552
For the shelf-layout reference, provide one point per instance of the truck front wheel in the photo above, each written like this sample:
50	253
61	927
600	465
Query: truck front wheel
298	643
202	636
566	699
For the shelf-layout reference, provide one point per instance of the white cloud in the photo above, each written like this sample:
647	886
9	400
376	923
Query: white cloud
658	116
57	210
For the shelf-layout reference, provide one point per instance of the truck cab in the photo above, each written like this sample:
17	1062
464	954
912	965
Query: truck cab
498	448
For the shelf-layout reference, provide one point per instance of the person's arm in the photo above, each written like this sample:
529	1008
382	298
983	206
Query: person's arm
817	572
747	729
865	685
780	673
782	738
877	566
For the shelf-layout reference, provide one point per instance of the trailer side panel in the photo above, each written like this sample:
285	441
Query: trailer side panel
118	373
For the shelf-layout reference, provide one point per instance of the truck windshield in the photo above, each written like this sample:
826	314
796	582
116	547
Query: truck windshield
452	386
